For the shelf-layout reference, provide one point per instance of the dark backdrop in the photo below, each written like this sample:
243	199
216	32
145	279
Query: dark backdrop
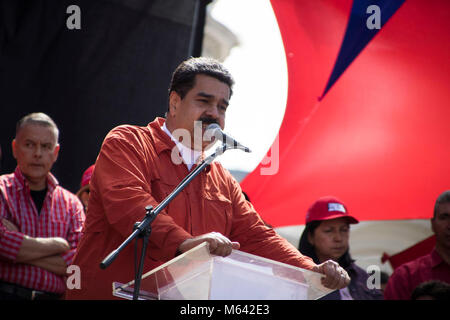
114	70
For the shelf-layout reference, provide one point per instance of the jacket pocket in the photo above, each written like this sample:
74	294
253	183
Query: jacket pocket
218	213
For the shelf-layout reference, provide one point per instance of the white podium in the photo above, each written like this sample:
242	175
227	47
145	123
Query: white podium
198	275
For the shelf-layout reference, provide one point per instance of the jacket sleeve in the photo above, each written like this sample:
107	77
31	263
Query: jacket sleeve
122	180
256	238
74	234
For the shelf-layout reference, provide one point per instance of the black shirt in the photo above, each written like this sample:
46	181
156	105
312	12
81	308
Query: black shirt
38	198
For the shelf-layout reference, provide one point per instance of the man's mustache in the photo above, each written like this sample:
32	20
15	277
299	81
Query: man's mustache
207	120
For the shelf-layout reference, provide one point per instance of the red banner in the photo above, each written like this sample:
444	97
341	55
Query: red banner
380	138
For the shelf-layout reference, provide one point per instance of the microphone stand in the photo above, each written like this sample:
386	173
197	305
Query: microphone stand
143	229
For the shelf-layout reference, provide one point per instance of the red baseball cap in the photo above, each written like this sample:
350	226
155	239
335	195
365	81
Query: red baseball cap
327	208
87	176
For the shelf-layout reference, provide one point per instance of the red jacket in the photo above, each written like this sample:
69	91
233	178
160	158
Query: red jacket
134	169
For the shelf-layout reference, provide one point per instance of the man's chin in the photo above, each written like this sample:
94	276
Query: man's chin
34	177
34	170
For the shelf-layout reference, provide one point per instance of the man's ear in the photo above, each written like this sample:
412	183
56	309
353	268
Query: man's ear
56	152
174	101
432	224
14	146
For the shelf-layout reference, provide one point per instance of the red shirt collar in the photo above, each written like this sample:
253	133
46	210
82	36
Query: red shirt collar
52	182
160	138
436	259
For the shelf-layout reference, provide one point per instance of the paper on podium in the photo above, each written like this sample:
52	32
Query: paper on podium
198	275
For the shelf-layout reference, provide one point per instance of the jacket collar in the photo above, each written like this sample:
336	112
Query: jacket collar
161	140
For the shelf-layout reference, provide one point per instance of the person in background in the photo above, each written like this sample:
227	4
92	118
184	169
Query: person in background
83	193
433	266
40	222
432	290
326	236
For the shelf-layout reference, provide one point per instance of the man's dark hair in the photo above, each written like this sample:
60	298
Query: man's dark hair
444	197
304	246
436	289
183	78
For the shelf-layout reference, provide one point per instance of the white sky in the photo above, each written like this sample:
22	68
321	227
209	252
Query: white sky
258	66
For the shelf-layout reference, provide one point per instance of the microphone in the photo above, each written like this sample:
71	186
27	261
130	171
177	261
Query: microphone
215	130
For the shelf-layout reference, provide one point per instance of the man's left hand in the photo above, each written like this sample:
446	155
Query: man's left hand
9	225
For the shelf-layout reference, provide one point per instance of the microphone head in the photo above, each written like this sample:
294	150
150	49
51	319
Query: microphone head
213	126
215	129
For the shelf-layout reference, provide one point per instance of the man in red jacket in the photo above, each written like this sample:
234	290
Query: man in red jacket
140	166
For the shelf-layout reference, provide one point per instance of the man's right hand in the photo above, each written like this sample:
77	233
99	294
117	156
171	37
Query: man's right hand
218	244
35	248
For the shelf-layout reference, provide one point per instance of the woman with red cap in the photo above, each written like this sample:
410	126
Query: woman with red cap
83	193
326	236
